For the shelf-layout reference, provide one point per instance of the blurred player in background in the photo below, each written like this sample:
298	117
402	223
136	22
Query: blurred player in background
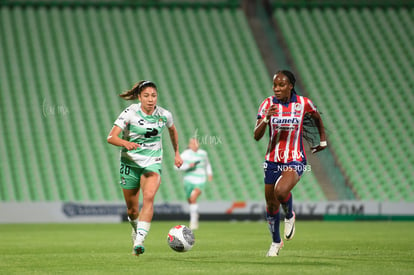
197	170
285	114
141	126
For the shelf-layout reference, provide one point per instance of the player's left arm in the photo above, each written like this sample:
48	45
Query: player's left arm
174	140
321	129
209	169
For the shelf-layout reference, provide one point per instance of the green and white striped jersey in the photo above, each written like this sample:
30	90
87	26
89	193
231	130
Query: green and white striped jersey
199	173
146	130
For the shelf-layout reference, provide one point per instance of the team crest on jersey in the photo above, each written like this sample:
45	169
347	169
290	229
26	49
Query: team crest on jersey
298	107
161	122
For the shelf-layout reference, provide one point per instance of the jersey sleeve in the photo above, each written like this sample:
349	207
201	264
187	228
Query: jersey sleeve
123	119
170	120
263	107
310	107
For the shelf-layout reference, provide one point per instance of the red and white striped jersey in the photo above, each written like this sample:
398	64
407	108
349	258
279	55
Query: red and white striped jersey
286	128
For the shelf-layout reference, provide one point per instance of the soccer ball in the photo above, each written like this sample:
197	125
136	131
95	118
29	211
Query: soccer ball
180	238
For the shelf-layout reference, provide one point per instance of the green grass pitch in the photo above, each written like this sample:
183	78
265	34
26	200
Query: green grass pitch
220	248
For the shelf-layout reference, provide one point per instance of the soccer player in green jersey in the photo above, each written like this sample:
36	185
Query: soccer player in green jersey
197	170
141	126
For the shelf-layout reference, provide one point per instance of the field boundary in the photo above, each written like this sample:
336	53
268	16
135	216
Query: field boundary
113	212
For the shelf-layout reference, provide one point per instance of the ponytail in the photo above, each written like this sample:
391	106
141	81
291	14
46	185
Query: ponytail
135	91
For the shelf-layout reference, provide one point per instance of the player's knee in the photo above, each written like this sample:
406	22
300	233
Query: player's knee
148	199
281	194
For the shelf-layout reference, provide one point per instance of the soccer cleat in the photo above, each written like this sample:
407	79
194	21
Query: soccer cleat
138	248
274	249
133	237
194	221
139	244
290	227
194	225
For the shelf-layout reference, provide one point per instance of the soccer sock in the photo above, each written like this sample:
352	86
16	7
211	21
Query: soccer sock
142	230
287	206
133	223
273	220
193	212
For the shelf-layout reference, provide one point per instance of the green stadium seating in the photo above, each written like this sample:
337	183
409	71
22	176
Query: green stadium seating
357	65
63	67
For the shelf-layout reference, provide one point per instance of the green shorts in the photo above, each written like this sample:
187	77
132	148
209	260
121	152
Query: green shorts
189	187
130	176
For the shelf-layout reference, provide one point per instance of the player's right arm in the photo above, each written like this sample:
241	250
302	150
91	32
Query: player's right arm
266	110
114	139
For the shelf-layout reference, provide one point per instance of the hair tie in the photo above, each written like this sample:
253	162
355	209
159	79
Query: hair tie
146	82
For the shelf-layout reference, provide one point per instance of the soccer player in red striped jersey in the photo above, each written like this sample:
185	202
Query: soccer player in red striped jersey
284	113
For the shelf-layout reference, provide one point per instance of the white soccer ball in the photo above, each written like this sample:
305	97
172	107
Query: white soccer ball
180	238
